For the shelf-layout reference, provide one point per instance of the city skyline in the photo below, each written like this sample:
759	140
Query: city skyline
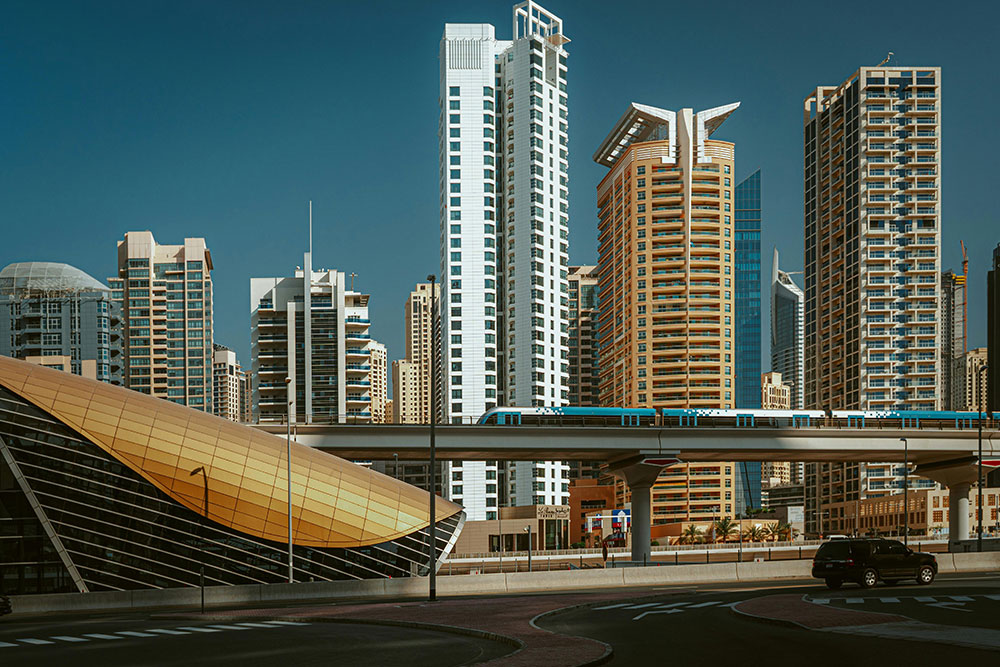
191	176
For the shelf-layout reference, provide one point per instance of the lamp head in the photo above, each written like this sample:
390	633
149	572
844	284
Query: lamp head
431	277
288	380
197	470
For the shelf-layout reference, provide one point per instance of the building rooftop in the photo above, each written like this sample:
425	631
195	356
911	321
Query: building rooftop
29	277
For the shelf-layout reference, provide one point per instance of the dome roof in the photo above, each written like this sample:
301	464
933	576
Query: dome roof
46	277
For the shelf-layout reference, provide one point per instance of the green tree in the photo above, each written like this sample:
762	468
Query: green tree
724	528
753	534
691	535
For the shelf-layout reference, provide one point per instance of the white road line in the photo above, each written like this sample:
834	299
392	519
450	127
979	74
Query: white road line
295	623
193	629
161	631
961	598
228	627
610	606
820	601
133	633
64	638
98	635
35	641
643	606
854	600
255	625
672	604
704	604
731	604
889	599
924	599
663	611
6	645
992	597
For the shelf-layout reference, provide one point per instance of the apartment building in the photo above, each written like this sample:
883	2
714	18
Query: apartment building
954	341
229	386
971	381
57	315
313	329
411	376
504	234
746	266
379	383
872	253
584	373
774	393
165	296
665	272
788	333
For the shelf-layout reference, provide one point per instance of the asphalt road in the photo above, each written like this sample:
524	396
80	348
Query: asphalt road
685	627
139	640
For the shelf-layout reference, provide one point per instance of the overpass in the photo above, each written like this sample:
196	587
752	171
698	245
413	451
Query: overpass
637	454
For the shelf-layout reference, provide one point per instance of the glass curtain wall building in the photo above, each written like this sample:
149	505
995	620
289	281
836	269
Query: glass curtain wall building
788	332
105	489
747	217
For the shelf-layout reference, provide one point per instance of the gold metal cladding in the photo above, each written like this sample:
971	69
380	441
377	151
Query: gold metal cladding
335	503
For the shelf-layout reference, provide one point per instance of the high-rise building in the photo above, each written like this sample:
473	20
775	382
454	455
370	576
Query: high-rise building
165	294
55	314
872	260
747	216
665	265
954	343
411	376
406	393
379	383
774	394
788	332
310	327
584	368
993	332
229	385
971	383
504	231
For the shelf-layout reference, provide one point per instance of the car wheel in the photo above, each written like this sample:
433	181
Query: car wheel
868	578
834	584
925	575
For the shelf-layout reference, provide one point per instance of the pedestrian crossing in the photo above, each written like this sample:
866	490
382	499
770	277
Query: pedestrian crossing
926	599
146	633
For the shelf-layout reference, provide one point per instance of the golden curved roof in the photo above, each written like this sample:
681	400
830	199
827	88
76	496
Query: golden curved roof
335	503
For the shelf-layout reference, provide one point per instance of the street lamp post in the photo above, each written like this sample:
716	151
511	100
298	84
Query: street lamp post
433	458
288	461
906	492
527	529
979	462
201	576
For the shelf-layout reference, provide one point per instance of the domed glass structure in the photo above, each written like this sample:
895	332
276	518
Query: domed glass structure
33	277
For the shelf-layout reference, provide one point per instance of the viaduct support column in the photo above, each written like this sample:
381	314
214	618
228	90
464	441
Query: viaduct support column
958	513
640	473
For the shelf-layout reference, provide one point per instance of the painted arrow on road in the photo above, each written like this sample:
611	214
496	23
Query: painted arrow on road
661	611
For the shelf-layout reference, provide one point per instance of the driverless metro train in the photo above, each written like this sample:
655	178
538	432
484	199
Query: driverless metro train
691	417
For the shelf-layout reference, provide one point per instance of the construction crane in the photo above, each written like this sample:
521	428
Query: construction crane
886	59
965	299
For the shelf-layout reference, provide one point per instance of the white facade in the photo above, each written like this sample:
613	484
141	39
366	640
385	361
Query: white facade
788	343
504	228
379	383
228	385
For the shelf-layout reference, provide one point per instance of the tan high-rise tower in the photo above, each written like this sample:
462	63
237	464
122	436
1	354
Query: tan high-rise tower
411	377
665	265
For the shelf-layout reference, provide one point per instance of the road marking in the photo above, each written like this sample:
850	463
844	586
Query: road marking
35	641
193	629
992	597
643	606
295	623
820	601
704	604
612	606
889	599
662	611
98	635
228	627
731	604
254	625
6	645
160	631
133	633
924	599
64	638
961	598
854	600
672	604
950	605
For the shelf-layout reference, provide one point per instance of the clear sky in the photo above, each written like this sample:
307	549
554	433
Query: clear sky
223	119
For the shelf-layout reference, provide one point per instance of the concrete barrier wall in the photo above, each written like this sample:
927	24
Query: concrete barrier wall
478	584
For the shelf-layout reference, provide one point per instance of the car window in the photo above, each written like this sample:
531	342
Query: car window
896	548
838	550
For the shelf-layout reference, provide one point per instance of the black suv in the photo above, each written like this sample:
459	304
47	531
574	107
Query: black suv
4	605
868	561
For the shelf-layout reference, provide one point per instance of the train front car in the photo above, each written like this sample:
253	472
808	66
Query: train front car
570	416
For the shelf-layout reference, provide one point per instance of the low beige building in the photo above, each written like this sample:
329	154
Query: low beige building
549	529
64	362
774	394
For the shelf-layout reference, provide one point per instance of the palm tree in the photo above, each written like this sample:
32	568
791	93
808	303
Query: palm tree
753	534
773	531
784	531
724	528
691	534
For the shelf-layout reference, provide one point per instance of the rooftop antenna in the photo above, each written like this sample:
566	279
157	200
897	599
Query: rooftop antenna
310	226
353	276
886	59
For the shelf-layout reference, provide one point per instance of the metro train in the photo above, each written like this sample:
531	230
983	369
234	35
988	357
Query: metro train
708	417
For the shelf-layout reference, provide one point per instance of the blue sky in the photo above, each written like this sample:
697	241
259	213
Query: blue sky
223	119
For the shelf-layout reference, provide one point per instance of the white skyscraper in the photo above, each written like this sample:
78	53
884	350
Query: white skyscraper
504	236
788	332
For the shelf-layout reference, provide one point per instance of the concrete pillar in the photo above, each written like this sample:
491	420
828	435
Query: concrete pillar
958	512
642	519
